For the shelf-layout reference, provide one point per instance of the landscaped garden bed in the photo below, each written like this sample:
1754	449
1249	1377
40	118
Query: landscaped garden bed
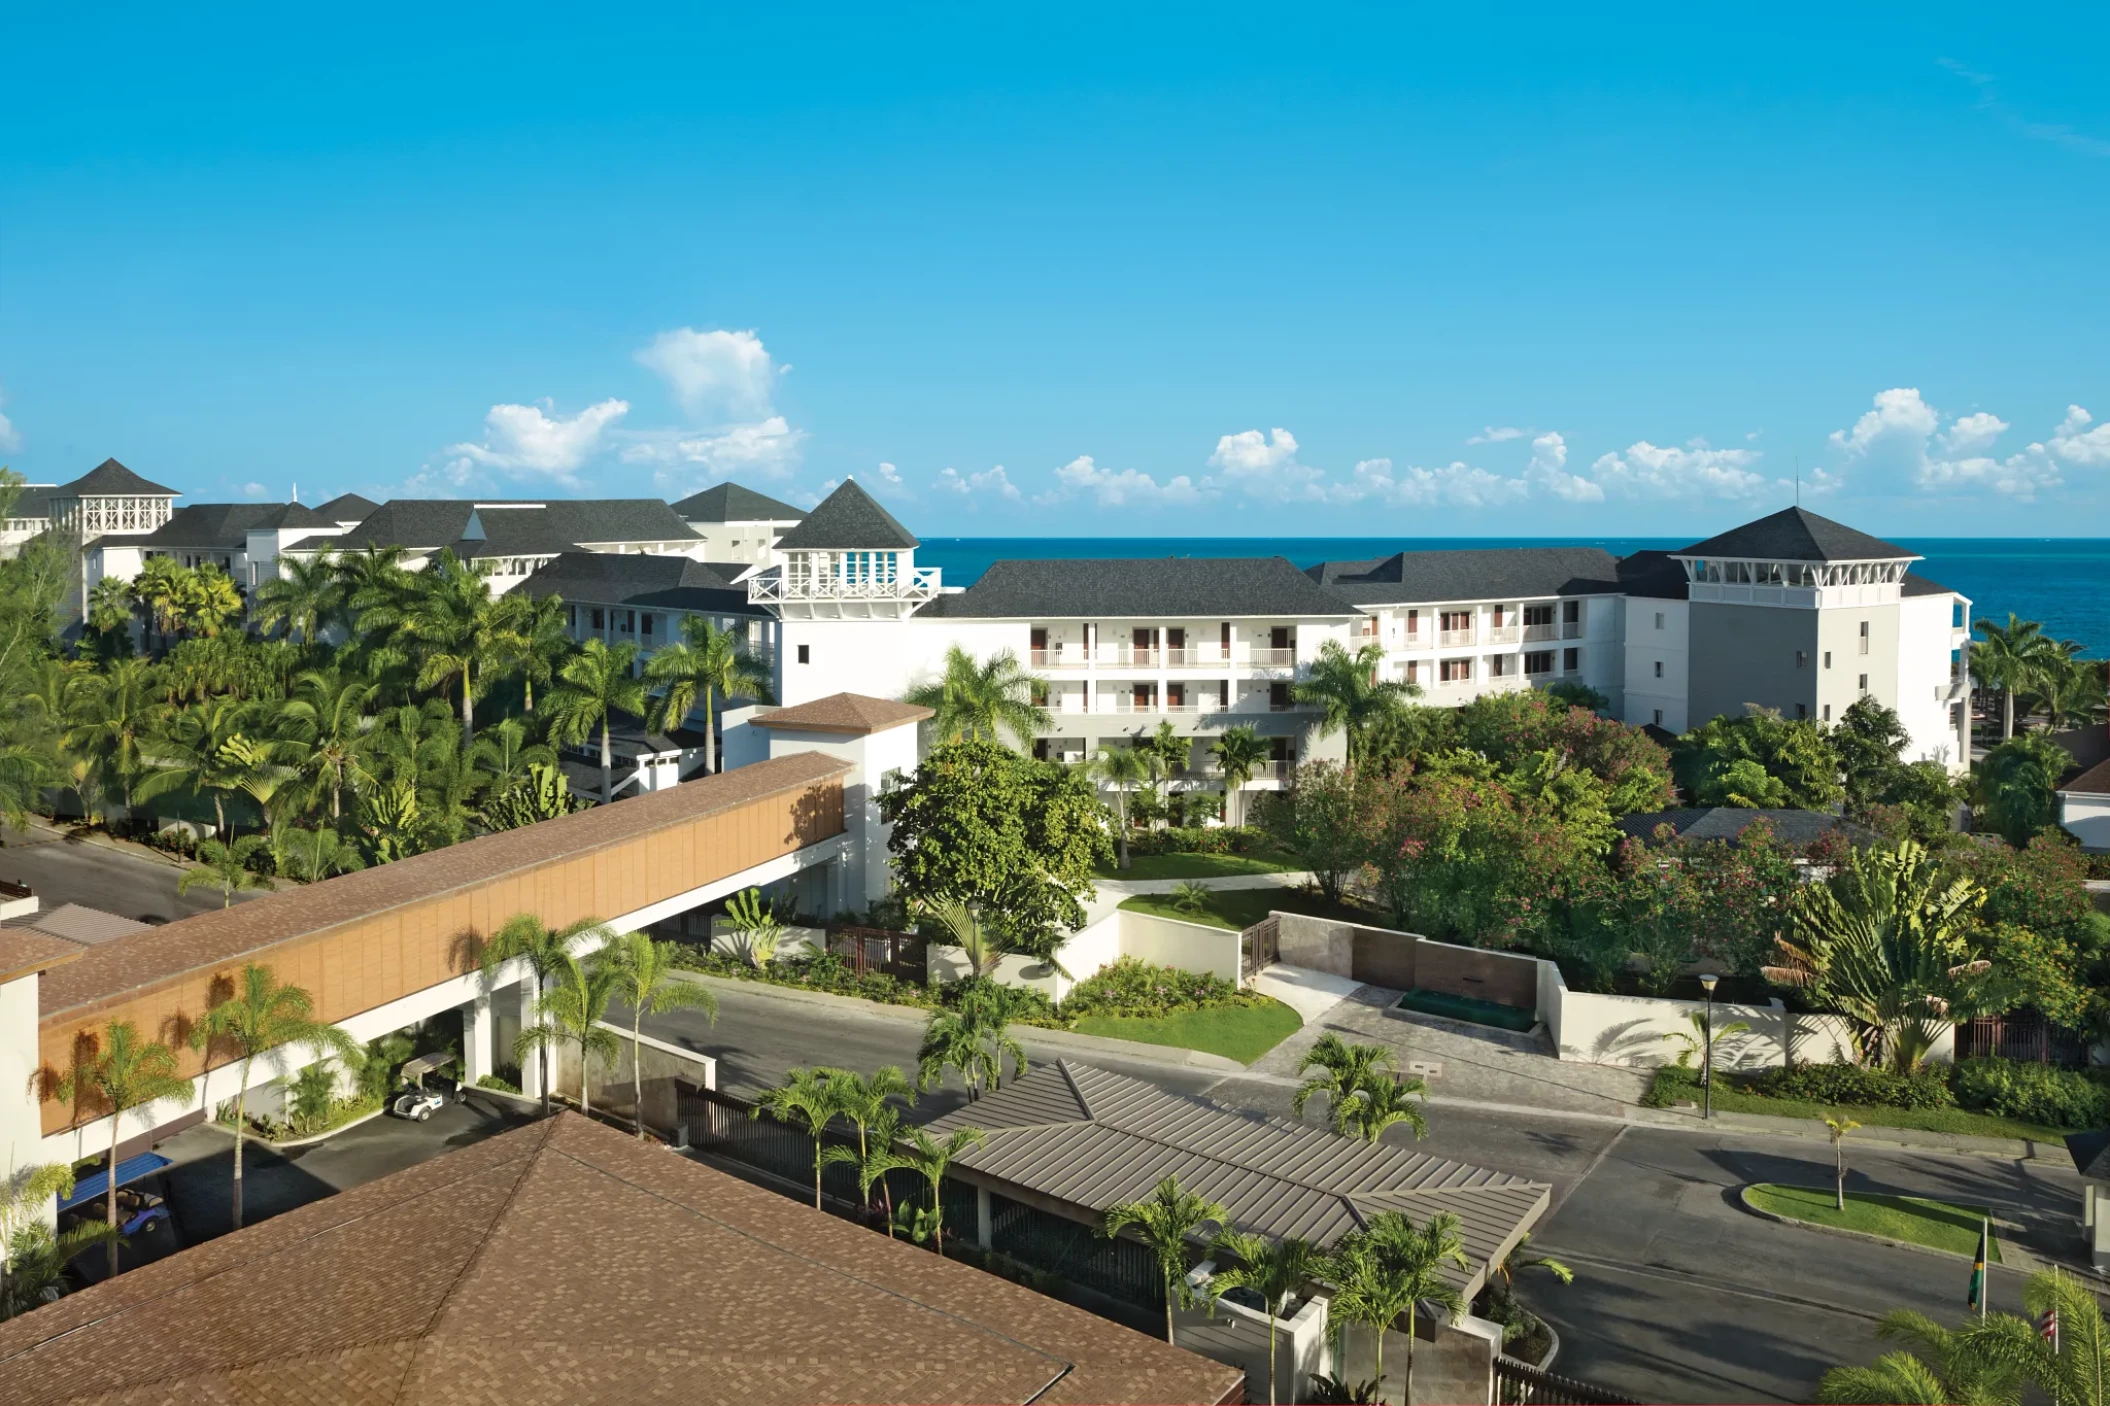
1239	909
1913	1102
1915	1220
1243	1032
1467	1008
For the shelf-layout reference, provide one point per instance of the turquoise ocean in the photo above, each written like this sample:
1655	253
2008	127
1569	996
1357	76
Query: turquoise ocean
2062	581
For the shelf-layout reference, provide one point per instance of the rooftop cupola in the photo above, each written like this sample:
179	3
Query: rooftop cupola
110	498
1795	558
848	558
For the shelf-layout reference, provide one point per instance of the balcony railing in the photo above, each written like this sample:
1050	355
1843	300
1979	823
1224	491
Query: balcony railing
1122	704
1542	632
1063	656
1571	629
1504	634
1447	638
1271	658
919	584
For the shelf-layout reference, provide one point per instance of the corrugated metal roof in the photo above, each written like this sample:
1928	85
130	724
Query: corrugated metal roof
1096	1139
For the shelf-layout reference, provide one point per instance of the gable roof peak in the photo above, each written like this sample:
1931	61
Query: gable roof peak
110	479
848	518
1797	534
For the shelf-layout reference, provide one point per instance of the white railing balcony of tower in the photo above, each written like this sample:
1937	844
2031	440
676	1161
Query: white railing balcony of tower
920	583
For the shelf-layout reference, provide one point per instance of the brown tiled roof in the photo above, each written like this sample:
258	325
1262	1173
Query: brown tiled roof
568	1263
24	950
143	958
76	923
2093	782
844	712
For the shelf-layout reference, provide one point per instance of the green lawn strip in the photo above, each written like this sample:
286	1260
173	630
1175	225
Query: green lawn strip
1202	866
1243	1033
1960	1122
1239	909
1935	1224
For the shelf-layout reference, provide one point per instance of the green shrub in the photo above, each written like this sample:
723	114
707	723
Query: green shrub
1132	986
1850	1084
2034	1093
502	1085
1198	839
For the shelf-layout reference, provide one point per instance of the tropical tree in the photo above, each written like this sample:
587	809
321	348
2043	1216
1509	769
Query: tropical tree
524	937
647	982
1388	1269
1939	1369
2016	785
2073	696
1166	1221
1838	1128
372	578
973	1037
571	1011
113	717
191	752
1343	1071
460	633
160	587
804	1101
1239	752
111	1077
542	641
25	770
1273	1269
33	1260
1351	696
305	596
928	1157
1377	1105
980	702
1121	770
1885	942
873	1157
502	757
1694	1044
865	1102
258	1016
110	607
2073	1369
2014	658
980	942
313	855
225	866
326	732
542	794
593	685
704	665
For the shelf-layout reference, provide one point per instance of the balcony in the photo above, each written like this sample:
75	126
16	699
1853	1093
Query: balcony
1063	656
1954	689
1535	633
1571	629
1271	658
778	588
1123	703
1504	634
1446	638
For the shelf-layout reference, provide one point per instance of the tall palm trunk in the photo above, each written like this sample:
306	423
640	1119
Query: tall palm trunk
1407	1391
1171	1293
1271	1354
2007	712
585	1087
241	1104
637	1066
1123	807
710	735
110	1189
607	766
468	709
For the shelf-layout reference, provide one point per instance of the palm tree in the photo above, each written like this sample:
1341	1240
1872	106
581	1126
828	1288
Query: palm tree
191	752
803	1100
873	1157
1391	1267
209	601
1239	753
226	867
572	1011
1273	1269
542	641
33	1260
973	1038
326	729
25	770
458	629
704	665
1885	942
1121	769
306	595
595	684
113	716
2016	785
1377	1105
1943	1370
110	605
113	1076
975	938
1347	689
524	937
1343	1069
1165	1221
160	587
258	1017
865	1103
313	855
919	1152
982	701
1838	1128
504	758
2013	658
2074	1371
646	980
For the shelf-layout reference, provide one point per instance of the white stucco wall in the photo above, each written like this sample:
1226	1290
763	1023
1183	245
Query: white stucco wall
1649	645
1925	645
1193	947
2086	817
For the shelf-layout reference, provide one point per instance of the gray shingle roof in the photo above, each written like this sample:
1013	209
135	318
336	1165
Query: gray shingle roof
484	528
347	507
1797	534
1471	573
729	502
1790	827
1179	587
1094	1140
848	518
651	582
225	526
33	501
1918	585
2091	1154
110	479
1652	574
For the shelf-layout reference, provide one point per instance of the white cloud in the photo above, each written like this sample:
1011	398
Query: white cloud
10	437
994	480
1266	466
1696	470
528	439
685	461
1549	470
1458	485
715	376
2074	442
254	490
1496	434
890	482
1126	488
1903	436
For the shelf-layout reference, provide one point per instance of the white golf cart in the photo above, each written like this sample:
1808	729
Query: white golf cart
419	1103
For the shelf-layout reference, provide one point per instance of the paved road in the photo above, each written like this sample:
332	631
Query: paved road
1680	1295
64	870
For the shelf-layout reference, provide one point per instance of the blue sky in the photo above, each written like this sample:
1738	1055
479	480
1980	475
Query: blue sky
1128	270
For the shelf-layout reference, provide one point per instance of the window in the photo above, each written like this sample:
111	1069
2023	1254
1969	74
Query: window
1864	683
1538	615
1802	657
1413	671
1571	660
1498	666
1864	637
1455	620
1827	659
599	621
805	654
1659	711
1827	712
1802	710
1659	625
1455	670
1571	612
1539	661
1659	668
648	625
1278	696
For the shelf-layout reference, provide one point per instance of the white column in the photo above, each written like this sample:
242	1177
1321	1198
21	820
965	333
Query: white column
982	1231
478	1027
531	1068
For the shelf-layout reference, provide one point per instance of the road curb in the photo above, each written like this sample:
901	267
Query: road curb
104	842
2026	1262
257	1140
1916	1139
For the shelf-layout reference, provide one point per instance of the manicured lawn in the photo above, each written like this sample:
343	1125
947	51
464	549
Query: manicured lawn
1935	1224
1202	866
1243	1033
1239	909
1674	1086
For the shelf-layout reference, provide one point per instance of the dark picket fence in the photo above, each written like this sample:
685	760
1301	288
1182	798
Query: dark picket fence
2026	1036
1517	1384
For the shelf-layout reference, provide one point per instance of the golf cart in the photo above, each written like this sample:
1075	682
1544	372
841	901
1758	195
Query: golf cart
418	1103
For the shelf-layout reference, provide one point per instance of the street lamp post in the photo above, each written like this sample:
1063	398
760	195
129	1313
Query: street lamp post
1707	981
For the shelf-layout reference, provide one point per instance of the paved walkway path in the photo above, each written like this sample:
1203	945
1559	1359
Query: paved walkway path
1311	994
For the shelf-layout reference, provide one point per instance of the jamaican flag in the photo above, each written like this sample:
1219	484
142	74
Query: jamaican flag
1985	1252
